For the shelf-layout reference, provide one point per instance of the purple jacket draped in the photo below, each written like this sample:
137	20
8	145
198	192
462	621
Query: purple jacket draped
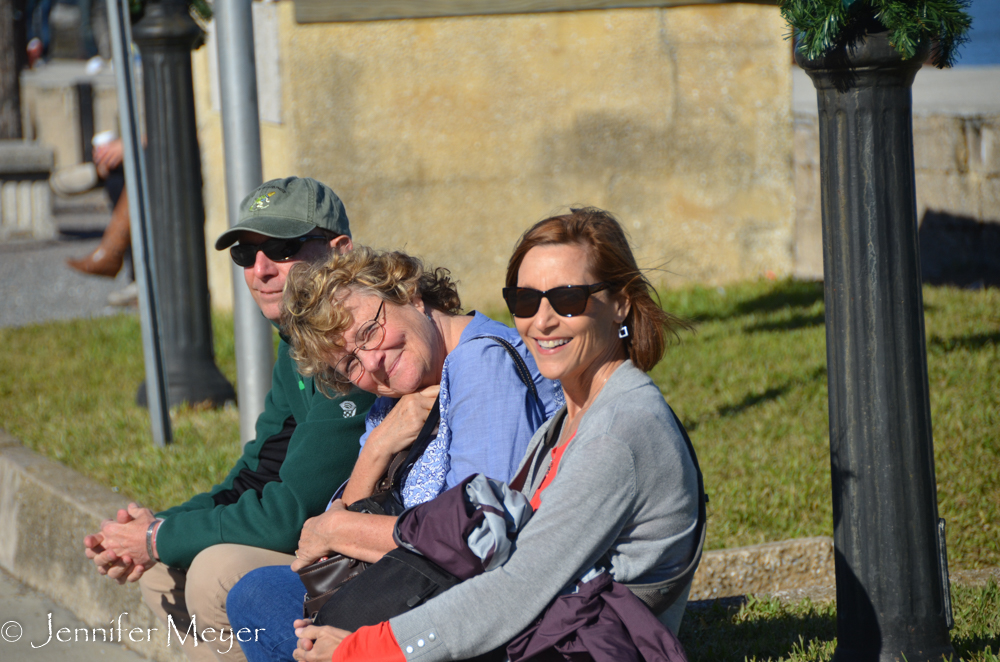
472	528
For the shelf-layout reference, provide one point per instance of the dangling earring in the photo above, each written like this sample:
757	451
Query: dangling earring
623	331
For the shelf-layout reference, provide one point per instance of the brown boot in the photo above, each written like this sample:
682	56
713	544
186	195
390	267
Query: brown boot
107	259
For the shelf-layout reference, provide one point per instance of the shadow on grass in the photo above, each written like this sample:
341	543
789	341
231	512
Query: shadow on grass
763	628
752	399
737	629
783	295
791	294
973	343
967	647
796	322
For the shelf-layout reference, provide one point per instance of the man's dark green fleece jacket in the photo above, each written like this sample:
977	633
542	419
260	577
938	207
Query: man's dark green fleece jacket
305	449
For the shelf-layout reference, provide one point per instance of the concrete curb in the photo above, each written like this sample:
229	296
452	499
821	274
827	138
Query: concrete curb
45	511
803	563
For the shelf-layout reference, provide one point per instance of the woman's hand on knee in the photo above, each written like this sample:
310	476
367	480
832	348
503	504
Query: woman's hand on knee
316	642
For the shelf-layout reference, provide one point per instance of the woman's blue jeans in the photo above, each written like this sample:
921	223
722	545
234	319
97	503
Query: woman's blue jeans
266	601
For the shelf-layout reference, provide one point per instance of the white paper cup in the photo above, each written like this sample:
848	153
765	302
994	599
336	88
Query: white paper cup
103	138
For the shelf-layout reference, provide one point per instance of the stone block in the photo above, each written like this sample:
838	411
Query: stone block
26	210
769	568
50	108
939	144
990	210
954	193
25	198
988	161
808	223
19	158
806	139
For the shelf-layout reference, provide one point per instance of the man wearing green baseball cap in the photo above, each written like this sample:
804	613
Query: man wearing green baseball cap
187	558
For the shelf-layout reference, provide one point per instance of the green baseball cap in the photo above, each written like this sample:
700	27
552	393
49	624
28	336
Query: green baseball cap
288	208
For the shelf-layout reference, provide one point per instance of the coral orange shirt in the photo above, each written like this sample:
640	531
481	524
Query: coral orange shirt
374	643
557	454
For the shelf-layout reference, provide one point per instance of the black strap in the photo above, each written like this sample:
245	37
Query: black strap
661	595
529	468
522	369
427	434
429	431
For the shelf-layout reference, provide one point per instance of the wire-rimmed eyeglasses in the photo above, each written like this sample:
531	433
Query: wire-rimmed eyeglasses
370	336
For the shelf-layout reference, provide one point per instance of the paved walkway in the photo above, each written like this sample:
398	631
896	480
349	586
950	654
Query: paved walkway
37	286
24	627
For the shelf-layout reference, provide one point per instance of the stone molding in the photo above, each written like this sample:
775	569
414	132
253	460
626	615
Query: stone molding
334	11
25	197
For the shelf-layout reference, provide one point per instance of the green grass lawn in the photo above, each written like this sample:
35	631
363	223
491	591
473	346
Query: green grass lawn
69	393
749	384
766	629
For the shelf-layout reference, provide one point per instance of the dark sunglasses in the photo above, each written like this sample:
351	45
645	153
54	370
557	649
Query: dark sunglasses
567	300
278	250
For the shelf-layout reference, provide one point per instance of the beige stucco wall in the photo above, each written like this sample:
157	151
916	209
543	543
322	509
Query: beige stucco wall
450	136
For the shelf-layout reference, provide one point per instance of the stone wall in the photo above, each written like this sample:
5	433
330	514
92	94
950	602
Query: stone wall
957	171
50	108
449	136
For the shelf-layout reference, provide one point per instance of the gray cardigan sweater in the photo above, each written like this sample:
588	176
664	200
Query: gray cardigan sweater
626	485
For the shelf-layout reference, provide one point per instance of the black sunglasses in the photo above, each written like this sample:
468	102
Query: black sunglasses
567	300
278	250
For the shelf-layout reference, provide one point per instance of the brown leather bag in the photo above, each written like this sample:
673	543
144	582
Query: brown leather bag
324	578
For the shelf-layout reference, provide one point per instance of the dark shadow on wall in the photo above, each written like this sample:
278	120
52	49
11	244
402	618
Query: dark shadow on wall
959	251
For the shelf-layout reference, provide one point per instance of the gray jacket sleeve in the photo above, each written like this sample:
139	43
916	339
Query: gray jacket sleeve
626	486
580	516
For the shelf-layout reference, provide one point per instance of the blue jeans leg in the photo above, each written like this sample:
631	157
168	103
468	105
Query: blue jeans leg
265	602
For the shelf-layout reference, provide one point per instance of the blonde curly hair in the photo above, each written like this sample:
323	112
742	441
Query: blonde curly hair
314	315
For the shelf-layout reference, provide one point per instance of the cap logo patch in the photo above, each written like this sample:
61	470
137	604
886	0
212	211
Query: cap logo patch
261	202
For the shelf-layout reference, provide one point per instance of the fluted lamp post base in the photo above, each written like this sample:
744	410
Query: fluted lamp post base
892	592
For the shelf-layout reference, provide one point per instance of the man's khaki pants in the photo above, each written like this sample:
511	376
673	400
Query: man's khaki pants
198	597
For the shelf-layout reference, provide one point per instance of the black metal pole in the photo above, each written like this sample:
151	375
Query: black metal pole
165	36
85	111
892	594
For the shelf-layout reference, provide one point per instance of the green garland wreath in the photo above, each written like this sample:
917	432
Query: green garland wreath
818	24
